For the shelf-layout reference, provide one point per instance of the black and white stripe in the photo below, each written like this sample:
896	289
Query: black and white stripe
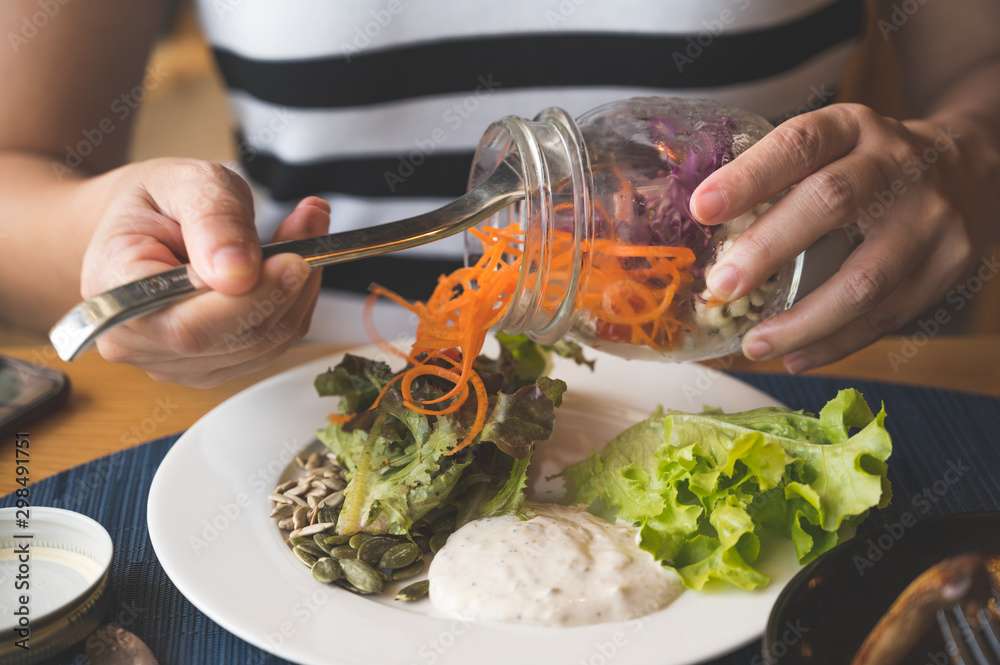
333	98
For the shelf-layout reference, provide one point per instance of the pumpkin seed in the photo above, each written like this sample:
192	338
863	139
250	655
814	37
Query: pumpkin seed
314	549
305	557
347	585
423	542
371	550
327	514
399	556
415	591
407	572
444	523
438	540
320	540
359	538
327	570
343	552
362	576
336	539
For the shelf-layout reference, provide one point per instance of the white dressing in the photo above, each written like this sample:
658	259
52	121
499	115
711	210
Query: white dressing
565	567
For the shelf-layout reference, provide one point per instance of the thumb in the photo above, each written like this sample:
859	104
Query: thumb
214	208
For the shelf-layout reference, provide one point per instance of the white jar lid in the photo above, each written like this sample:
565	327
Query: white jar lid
53	580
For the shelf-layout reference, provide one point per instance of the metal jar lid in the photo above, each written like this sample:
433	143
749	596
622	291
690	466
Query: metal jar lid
54	588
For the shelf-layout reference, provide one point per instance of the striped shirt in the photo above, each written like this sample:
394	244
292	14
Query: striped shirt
378	105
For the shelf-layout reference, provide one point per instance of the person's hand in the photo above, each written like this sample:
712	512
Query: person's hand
911	190
162	213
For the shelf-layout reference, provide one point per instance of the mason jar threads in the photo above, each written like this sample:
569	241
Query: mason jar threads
608	251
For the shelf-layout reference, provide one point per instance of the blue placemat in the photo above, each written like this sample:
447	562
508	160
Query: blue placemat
946	459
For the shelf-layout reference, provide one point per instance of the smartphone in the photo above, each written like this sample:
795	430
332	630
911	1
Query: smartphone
27	391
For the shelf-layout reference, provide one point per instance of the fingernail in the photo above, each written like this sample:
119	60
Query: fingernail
706	207
233	262
322	204
722	281
757	349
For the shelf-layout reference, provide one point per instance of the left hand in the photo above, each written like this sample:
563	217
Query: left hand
917	192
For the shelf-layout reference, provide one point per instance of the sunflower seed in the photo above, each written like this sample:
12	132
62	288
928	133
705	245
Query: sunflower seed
297	500
300	517
415	591
304	556
287	485
333	483
312	462
326	570
362	576
282	510
286	524
312	501
312	529
298	490
371	550
400	555
300	461
335	500
279	498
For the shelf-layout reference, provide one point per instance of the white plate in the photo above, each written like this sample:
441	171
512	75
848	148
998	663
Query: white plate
208	523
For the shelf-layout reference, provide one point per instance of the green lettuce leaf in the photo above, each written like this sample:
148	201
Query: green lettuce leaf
700	487
398	461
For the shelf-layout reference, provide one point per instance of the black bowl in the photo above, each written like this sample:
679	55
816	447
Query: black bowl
830	606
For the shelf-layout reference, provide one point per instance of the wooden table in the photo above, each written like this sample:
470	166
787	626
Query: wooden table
113	407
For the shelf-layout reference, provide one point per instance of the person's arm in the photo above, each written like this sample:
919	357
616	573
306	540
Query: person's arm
924	193
62	77
76	220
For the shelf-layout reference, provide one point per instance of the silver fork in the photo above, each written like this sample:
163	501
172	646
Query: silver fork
971	634
78	329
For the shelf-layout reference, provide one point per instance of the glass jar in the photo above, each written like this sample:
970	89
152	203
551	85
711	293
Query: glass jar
611	255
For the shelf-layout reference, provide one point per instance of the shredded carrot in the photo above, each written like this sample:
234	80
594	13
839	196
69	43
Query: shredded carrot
630	292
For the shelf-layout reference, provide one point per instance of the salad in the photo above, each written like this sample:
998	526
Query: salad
701	488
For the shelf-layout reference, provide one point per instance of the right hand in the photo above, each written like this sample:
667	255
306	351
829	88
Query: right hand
162	213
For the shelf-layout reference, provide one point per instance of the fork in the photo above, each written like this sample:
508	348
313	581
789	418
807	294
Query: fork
970	641
81	326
